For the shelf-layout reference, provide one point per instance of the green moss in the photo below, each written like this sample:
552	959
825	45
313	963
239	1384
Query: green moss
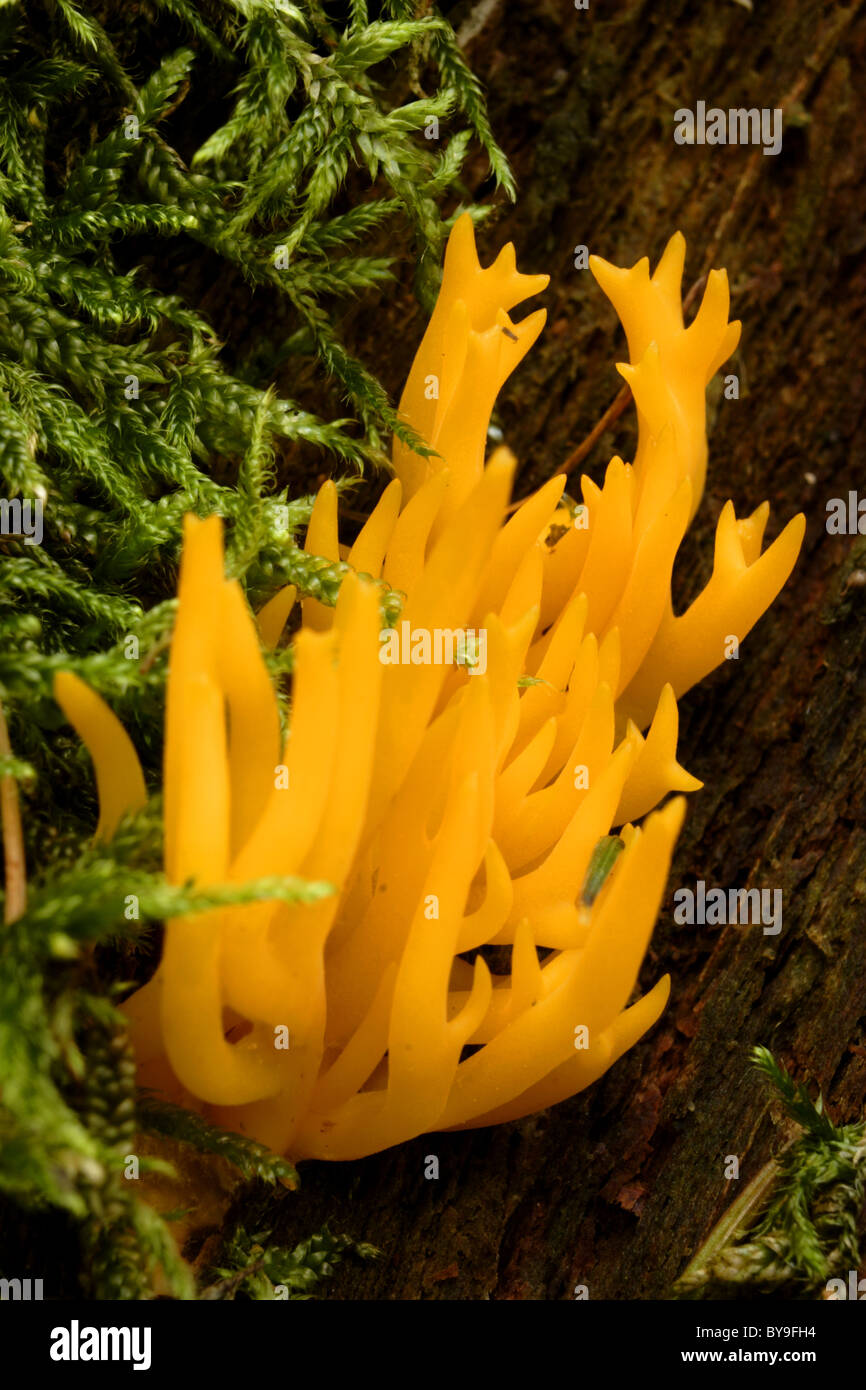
268	149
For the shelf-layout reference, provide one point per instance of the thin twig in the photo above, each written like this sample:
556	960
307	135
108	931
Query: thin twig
732	1225
13	838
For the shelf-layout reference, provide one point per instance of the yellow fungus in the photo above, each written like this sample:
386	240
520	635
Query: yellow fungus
119	779
451	807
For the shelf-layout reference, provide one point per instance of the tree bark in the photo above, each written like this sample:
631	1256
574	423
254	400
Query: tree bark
617	1188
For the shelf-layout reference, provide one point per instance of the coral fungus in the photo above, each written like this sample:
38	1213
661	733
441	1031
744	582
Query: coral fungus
450	808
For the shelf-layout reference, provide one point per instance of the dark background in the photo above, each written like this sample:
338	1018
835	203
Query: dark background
617	1188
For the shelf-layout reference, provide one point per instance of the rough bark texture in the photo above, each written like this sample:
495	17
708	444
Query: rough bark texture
617	1188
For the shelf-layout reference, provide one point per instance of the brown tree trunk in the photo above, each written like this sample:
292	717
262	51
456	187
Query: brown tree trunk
617	1188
